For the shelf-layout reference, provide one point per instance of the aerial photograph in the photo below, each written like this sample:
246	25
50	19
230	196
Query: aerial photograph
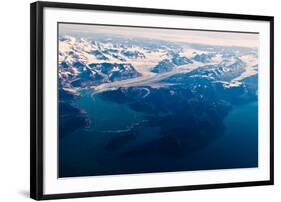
139	100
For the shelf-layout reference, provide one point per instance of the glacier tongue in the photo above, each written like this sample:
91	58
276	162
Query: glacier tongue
88	63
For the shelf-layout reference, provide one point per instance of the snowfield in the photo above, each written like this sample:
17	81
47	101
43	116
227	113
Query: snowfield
77	55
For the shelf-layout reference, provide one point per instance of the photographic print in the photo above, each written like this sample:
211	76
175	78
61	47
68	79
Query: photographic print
128	100
137	100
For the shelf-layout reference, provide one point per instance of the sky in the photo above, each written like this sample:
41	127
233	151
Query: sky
186	36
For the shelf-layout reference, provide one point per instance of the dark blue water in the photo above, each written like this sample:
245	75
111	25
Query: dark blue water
107	146
238	146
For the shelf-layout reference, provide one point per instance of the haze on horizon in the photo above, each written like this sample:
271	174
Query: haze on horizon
213	38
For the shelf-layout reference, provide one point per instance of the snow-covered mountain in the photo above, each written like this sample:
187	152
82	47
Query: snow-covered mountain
88	63
163	66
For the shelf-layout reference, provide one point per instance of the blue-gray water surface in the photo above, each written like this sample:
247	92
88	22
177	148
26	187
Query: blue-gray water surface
116	128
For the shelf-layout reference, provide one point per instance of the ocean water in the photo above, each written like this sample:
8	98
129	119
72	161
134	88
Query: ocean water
237	147
102	147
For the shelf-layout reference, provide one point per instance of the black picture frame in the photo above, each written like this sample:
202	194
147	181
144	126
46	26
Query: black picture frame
36	99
